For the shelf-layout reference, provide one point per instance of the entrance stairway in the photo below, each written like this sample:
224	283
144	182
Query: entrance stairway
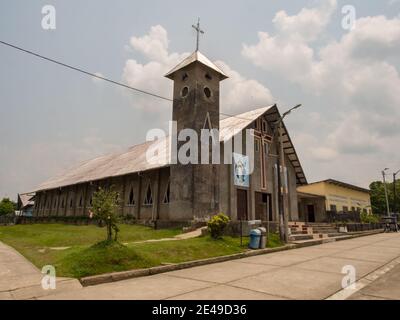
301	231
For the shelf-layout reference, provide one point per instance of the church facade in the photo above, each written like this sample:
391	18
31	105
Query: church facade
166	190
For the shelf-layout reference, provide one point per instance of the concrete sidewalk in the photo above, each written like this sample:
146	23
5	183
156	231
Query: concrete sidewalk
20	279
306	273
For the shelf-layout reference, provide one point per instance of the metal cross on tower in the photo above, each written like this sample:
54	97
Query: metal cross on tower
198	30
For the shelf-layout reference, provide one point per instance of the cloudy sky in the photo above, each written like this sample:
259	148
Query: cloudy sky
284	52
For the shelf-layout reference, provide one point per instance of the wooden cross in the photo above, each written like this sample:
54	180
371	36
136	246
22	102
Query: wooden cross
198	30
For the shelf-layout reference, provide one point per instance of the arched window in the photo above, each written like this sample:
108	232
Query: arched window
148	199
167	194
131	198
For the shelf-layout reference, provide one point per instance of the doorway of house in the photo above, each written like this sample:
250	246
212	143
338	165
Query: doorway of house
263	206
311	213
241	197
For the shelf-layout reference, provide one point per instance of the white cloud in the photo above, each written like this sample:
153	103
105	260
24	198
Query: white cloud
287	52
307	25
285	56
355	70
237	94
356	79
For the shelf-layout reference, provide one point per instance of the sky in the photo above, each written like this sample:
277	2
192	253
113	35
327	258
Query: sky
346	76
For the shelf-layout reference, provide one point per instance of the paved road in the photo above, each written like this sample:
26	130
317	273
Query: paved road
386	287
306	273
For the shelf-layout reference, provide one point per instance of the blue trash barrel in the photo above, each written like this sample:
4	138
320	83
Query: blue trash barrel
255	236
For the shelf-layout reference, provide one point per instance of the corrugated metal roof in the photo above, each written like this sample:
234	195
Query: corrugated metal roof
199	57
230	126
342	184
26	199
134	159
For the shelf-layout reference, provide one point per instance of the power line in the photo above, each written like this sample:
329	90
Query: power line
99	77
84	71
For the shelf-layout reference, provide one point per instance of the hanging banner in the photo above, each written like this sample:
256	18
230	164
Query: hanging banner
241	169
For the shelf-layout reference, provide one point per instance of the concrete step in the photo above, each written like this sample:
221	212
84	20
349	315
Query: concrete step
325	230
335	234
299	232
299	237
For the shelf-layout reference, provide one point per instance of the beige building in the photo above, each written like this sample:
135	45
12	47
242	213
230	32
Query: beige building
331	196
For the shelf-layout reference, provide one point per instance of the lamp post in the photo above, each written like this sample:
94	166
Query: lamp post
394	191
386	192
280	163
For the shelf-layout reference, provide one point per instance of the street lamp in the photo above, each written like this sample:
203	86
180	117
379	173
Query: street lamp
280	163
394	191
386	192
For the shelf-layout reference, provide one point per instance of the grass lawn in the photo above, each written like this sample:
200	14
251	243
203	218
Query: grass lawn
87	255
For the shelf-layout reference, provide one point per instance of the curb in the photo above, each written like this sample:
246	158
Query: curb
130	274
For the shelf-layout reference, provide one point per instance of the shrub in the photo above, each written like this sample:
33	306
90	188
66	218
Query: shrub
369	218
217	225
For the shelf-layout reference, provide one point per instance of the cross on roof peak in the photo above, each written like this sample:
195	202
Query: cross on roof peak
198	30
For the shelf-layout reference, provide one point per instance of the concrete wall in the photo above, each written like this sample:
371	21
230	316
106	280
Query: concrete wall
76	200
339	196
228	191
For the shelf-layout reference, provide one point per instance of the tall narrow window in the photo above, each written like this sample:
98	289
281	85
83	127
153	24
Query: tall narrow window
80	202
207	122
131	199
264	126
148	199
166	195
70	204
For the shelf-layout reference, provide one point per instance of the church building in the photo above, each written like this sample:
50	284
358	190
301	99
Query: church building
176	192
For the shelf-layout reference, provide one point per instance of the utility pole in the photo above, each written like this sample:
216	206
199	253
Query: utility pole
386	192
282	233
394	191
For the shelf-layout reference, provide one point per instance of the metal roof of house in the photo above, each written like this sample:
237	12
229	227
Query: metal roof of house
343	184
301	194
199	57
134	159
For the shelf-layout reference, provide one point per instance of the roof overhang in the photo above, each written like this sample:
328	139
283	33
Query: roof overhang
196	56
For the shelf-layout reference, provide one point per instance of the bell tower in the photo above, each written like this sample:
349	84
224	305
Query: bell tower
195	187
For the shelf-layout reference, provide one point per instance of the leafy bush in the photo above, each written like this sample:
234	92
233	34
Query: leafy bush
369	218
217	225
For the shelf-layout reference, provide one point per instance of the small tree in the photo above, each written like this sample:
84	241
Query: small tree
7	206
105	204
